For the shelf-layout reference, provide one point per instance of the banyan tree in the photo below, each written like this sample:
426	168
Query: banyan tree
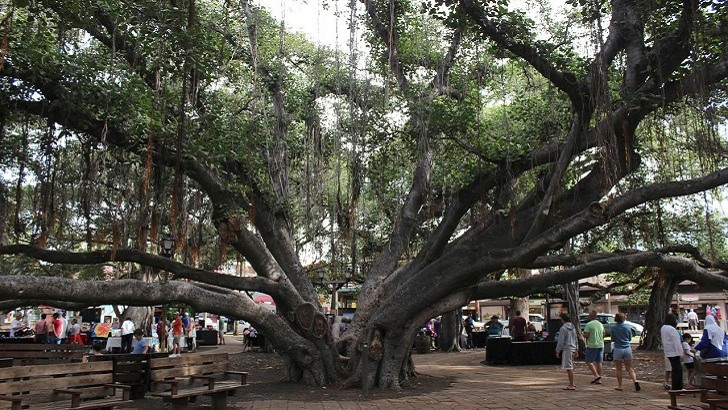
421	149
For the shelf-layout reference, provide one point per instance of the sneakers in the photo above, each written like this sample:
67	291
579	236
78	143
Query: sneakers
175	355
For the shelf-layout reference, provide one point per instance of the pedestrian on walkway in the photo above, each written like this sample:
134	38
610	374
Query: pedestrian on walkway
673	349
692	320
621	336
594	335
469	324
221	330
567	348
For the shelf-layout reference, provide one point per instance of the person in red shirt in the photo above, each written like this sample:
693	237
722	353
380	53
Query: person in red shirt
177	332
57	328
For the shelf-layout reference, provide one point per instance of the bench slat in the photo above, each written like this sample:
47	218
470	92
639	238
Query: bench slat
40	347
55	369
189	370
162	362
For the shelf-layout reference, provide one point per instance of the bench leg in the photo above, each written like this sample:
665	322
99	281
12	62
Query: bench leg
219	401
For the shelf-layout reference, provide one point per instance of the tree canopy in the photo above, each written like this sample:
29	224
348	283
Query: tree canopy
447	143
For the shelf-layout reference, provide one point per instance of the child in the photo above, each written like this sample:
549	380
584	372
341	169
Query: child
566	348
95	351
141	346
689	358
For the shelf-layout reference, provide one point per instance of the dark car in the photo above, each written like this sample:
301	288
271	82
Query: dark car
608	321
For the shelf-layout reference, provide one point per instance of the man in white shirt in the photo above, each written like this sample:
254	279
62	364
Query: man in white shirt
16	325
692	320
127	335
673	349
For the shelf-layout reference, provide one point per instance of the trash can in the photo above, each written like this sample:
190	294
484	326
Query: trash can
423	343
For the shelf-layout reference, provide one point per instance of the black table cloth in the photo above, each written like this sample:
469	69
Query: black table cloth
501	350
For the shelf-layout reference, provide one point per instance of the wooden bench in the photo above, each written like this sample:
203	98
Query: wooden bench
26	354
713	389
182	375
61	386
132	370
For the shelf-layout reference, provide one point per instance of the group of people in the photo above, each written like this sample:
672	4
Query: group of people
57	330
519	328
567	348
679	349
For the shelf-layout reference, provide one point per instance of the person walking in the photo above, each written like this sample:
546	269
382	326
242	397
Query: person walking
673	349
469	324
621	336
692	320
567	348
594	335
127	335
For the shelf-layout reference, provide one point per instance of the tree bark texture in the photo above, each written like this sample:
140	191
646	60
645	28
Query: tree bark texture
661	296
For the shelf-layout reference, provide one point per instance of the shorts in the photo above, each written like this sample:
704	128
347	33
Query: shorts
622	354
690	366
594	355
176	339
567	360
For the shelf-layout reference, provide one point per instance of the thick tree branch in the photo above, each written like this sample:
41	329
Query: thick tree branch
283	294
390	38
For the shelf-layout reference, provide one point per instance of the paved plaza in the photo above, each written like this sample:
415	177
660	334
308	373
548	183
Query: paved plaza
476	386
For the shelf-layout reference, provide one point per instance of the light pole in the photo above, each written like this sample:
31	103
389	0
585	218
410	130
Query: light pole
167	250
167	245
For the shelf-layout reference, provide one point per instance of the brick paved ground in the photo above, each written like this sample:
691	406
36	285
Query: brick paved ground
476	386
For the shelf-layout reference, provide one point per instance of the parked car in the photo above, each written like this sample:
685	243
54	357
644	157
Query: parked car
608	321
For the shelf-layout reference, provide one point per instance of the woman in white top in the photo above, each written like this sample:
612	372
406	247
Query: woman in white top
672	346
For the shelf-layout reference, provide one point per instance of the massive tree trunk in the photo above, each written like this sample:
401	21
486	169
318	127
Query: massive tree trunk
572	300
658	307
451	327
